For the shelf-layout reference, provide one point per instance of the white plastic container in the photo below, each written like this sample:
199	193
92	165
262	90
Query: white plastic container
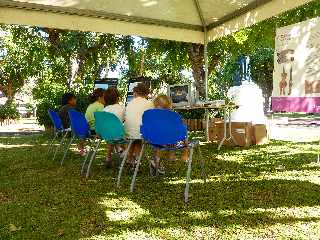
249	98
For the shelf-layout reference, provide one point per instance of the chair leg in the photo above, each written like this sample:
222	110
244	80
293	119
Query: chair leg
137	168
123	162
92	157
86	158
67	149
60	145
51	143
186	190
85	161
203	170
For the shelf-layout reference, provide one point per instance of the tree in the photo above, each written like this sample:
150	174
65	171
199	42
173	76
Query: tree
20	59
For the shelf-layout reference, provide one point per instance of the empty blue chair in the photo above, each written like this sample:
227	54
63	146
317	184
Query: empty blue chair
109	128
80	130
58	130
165	130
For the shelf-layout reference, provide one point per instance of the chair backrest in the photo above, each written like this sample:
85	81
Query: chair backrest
108	126
56	120
79	124
163	127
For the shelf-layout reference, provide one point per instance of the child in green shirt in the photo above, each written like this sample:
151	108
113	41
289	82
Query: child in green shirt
96	105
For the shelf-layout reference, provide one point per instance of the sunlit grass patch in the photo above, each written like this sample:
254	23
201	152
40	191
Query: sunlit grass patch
123	209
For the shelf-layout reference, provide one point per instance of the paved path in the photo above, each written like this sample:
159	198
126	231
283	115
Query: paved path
21	127
294	129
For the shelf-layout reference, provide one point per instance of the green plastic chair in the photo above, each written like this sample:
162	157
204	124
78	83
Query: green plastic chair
110	129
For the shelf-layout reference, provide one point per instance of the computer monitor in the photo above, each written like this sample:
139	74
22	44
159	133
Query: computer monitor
133	82
105	83
180	94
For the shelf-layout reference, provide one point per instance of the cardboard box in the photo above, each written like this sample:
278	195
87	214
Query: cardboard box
241	132
260	134
215	130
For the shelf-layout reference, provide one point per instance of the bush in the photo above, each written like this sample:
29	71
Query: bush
9	111
192	114
48	96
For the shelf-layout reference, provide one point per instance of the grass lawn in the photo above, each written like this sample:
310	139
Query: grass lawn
265	192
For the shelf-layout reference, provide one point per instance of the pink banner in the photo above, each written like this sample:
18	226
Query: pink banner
296	104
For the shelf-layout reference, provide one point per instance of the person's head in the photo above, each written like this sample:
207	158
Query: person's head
162	101
97	95
141	90
68	99
111	96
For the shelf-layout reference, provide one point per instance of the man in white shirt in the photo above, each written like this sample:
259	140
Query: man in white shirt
133	118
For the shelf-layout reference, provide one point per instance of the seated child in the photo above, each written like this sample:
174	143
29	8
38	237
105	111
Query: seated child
111	98
68	102
164	102
96	100
133	119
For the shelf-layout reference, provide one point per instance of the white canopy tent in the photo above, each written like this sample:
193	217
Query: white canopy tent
197	21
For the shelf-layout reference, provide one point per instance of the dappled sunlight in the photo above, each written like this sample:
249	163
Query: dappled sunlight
285	212
122	209
296	175
200	215
131	235
15	145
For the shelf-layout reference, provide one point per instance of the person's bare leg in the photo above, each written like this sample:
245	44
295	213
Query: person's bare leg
81	148
137	149
131	154
172	156
108	161
185	155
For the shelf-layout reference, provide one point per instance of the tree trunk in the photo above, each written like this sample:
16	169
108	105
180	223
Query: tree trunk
196	57
10	92
141	71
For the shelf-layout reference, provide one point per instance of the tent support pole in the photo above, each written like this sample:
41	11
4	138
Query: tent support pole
206	71
205	52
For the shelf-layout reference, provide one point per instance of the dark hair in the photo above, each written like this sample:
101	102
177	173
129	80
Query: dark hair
66	98
141	89
111	96
96	94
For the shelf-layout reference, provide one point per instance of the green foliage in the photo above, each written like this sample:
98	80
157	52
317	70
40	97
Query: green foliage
21	58
8	111
223	79
262	69
48	96
192	114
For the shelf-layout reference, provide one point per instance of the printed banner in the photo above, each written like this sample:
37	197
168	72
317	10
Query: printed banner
297	67
297	60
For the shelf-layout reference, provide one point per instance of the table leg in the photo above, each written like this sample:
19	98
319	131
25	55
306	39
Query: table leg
230	128
224	128
207	125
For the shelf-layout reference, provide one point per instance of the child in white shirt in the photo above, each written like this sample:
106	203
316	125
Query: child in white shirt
111	98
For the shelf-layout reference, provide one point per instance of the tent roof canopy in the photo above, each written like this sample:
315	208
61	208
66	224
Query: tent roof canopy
182	20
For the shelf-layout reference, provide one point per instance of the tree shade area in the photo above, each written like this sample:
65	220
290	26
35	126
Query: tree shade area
265	192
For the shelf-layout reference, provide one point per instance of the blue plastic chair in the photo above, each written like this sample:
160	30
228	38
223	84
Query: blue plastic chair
80	130
165	130
109	128
58	130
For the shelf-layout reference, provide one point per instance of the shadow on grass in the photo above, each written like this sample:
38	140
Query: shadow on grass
43	198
